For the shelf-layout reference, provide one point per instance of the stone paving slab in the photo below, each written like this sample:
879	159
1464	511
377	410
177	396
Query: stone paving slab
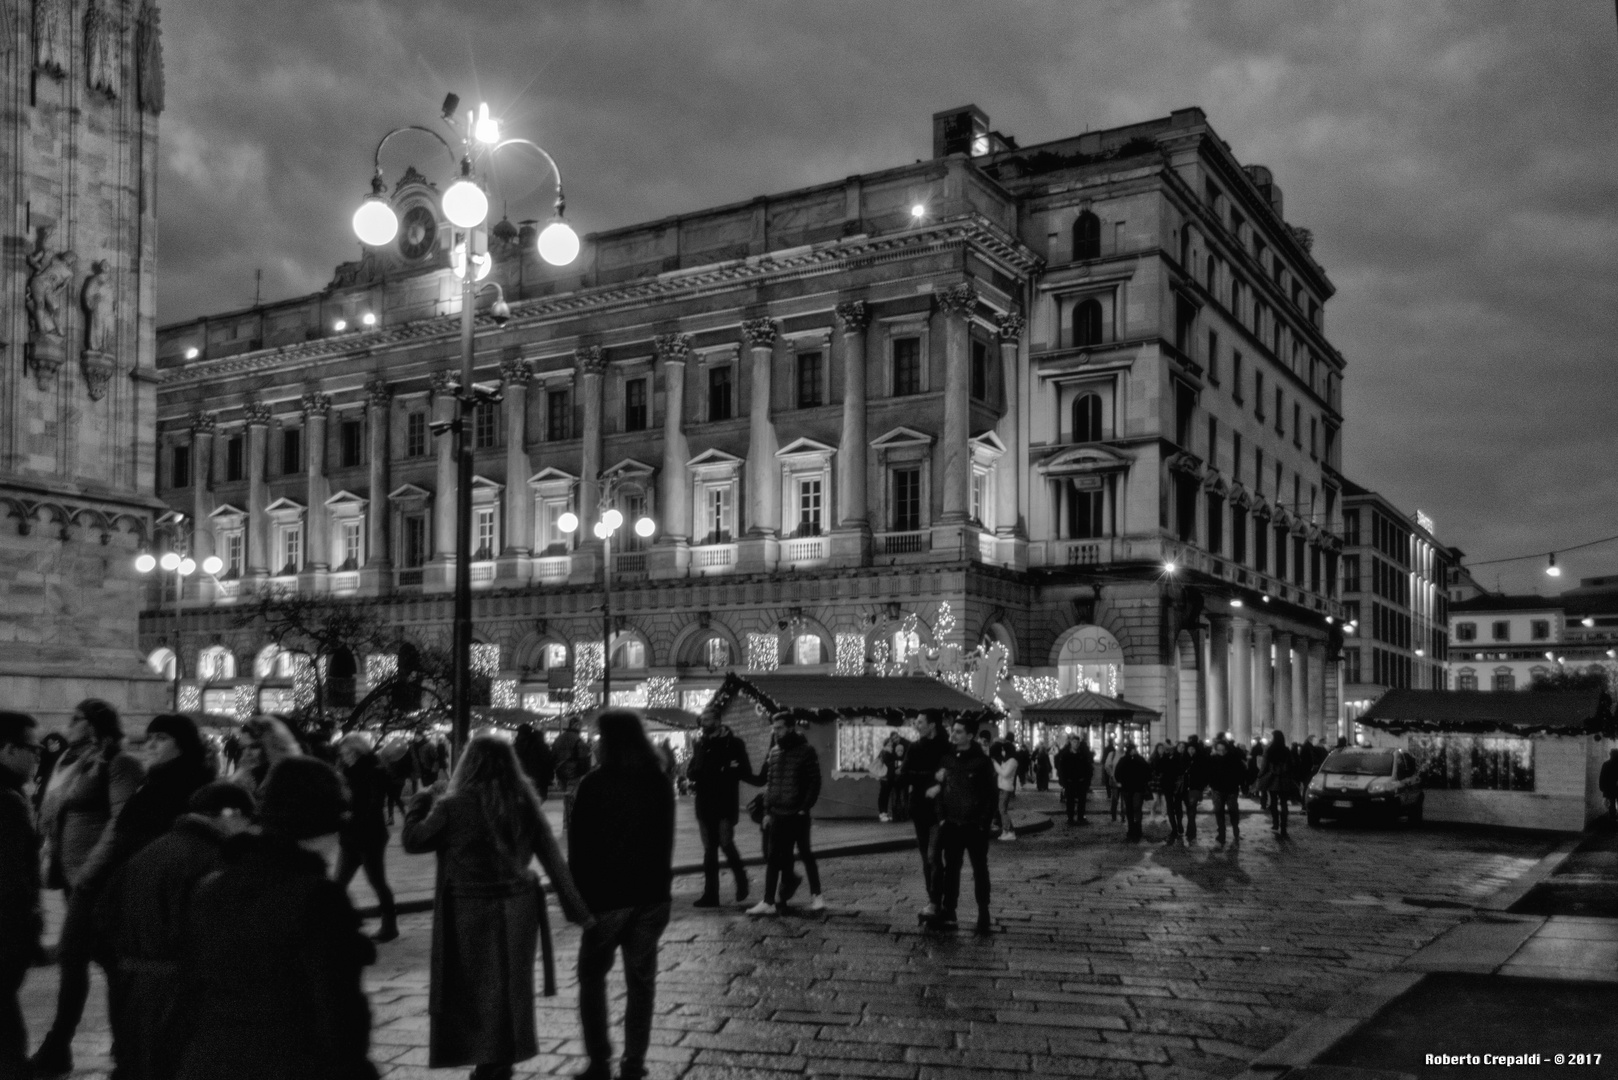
1145	961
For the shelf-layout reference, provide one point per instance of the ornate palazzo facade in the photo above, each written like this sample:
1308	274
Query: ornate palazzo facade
83	88
965	402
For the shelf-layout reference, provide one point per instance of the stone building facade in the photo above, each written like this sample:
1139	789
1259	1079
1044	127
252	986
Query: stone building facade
83	87
1056	399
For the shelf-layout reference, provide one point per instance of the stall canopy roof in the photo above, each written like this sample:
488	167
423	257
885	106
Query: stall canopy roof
1086	707
1518	712
839	697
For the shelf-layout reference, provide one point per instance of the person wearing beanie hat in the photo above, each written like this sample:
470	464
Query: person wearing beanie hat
141	916
88	789
274	956
21	920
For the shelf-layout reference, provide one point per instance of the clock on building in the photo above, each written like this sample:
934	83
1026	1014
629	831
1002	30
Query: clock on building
417	232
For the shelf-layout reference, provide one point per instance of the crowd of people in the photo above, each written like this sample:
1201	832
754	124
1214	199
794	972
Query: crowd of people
211	888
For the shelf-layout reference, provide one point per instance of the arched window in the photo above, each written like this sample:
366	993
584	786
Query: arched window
162	662
1087	323
216	662
808	649
905	642
629	655
1087	418
553	654
716	653
1084	515
1087	236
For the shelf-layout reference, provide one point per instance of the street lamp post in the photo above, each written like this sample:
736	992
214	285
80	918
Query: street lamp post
608	522
466	206
179	567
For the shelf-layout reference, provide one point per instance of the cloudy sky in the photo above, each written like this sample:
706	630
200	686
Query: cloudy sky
1456	161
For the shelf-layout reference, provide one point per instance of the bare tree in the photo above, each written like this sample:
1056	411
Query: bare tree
318	628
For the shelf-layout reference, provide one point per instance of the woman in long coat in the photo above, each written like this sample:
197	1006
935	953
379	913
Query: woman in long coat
486	829
1276	779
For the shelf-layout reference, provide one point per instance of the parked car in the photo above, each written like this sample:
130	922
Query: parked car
1360	780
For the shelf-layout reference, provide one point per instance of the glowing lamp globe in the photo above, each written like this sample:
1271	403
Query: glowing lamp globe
558	243
645	527
601	531
187	567
212	564
145	563
170	561
375	223
612	519
465	204
568	522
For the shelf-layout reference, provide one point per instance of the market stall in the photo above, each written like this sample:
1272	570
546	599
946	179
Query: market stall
1094	716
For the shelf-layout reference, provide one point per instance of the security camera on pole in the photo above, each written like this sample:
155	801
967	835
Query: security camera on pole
465	205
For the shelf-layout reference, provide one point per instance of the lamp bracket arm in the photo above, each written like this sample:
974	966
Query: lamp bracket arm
376	158
543	153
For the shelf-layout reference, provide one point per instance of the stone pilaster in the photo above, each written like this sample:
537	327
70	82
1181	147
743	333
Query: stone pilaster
587	556
957	304
517	551
851	540
1317	689
258	540
203	426
445	387
317	523
759	547
1299	729
377	576
1263	643
671	555
1282	721
1241	680
1008	481
1217	713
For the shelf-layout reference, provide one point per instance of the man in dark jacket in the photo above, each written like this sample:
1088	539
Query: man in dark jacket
534	755
621	853
21	921
1193	783
364	839
1075	764
967	794
1226	774
142	918
273	953
1133	775
919	773
718	765
571	755
791	786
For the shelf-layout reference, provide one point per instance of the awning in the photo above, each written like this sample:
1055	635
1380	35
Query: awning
1089	707
897	699
1478	712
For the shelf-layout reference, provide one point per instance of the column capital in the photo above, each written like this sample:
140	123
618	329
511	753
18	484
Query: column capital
378	393
442	382
316	404
203	423
259	412
672	348
959	299
587	359
1011	326
760	333
516	372
855	316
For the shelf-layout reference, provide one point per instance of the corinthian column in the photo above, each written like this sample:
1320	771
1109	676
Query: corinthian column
1262	644
671	555
203	425
258	440
758	550
1007	481
518	541
958	302
1217	713
1282	720
316	407
587	557
851	539
445	385
1317	689
377	576
1241	680
1300	689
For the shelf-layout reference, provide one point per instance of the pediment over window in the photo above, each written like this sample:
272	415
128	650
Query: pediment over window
630	469
228	515
805	448
285	510
987	448
714	465
1261	508
899	437
552	482
410	497
1087	460
1239	495
346	504
1214	482
485	491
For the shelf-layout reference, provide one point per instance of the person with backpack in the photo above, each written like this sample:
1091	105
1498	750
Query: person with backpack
571	752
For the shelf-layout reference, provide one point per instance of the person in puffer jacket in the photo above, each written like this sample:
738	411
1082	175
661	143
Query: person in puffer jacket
791	786
966	804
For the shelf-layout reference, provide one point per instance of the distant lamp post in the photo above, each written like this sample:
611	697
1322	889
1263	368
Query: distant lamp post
179	567
608	522
1553	570
466	206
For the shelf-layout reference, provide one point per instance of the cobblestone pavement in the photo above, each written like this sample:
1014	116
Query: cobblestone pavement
1110	959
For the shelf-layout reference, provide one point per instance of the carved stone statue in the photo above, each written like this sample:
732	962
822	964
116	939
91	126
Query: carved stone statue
99	332
50	38
149	59
52	272
101	40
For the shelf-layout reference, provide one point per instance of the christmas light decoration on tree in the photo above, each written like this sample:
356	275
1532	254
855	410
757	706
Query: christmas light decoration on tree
379	668
303	681
881	659
661	692
1035	688
586	673
485	659
850	654
944	625
763	651
503	694
190	698
244	702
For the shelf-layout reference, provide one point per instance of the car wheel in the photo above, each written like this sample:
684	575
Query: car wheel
1415	811
1313	817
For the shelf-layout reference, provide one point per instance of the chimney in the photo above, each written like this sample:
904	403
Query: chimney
961	131
1267	187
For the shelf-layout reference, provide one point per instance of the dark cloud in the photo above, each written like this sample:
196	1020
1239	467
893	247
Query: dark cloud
1455	160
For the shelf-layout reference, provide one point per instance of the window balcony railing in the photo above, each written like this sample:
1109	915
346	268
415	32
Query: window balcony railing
553	569
230	590
411	578
808	549
629	564
482	573
713	559
904	543
345	582
1084	552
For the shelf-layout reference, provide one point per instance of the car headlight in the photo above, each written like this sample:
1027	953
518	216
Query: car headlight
1381	786
1318	783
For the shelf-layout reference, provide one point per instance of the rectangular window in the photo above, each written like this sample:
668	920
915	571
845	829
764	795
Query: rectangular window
1238	533
980	371
552	540
1185	317
1351	573
1258	470
486	425
1540	630
906	500
717	506
1281	553
720	402
414	541
1216	523
1185	404
1236	377
1258	394
1501	631
350	443
483	533
291	549
1466	631
1351	528
1280	420
1297	561
632	504
1261	546
235	459
635	405
291	451
809	365
1185	498
1084	514
980	496
1297	425
1213	357
809	507
180	475
416	434
1505	681
558	415
906	366
234	549
352	552
1474	762
1213	442
1236	456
